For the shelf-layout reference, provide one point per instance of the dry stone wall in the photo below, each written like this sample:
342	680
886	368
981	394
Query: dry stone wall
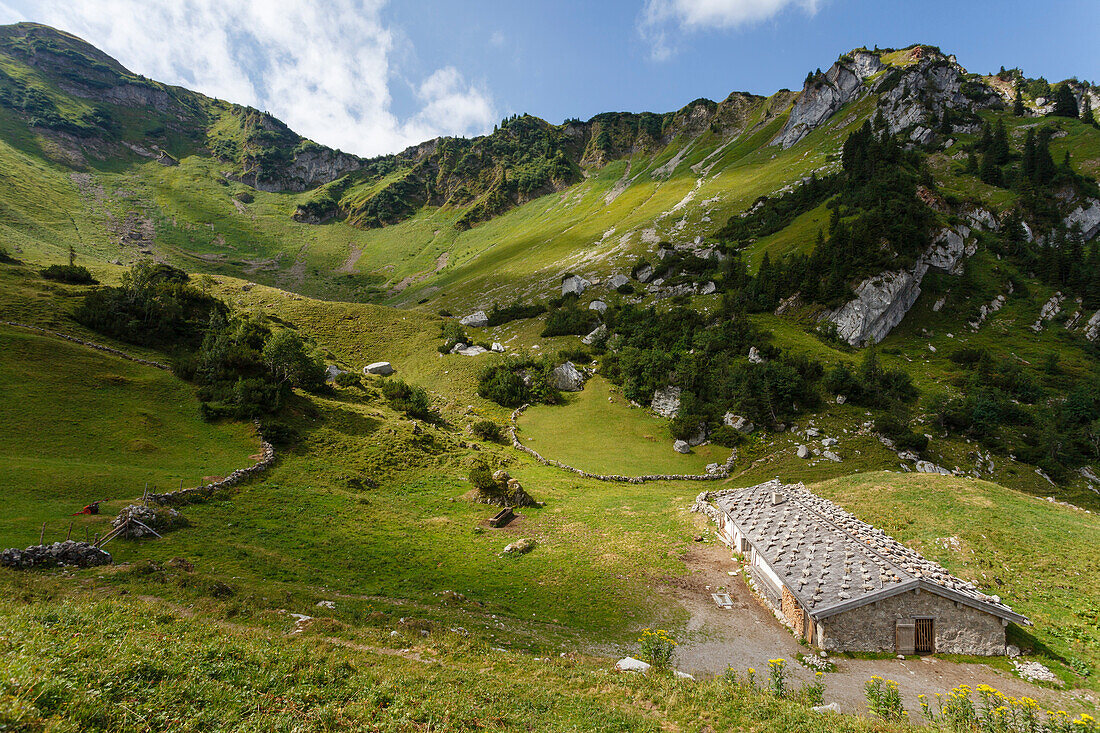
723	471
91	345
186	496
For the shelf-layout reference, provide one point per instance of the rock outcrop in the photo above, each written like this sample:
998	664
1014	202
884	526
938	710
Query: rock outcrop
822	96
882	300
666	402
380	368
477	319
1087	217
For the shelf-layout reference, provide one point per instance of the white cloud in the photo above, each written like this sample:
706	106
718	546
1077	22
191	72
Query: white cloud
660	18
323	68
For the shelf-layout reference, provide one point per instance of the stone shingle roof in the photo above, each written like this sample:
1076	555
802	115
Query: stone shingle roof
832	561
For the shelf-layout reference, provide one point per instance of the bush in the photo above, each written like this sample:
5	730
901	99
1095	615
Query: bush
515	312
727	437
515	382
577	356
71	274
486	430
348	379
406	398
481	478
570	321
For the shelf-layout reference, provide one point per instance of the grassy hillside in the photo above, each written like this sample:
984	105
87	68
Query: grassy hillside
80	426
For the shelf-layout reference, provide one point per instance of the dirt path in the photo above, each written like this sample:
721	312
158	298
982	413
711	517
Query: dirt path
748	635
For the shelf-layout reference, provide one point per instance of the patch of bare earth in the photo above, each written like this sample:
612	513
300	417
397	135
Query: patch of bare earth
440	263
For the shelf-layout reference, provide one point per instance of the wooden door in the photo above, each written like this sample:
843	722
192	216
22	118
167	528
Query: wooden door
904	638
925	641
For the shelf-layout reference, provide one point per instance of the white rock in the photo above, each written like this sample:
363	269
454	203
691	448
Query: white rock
381	368
708	288
478	319
929	467
666	402
841	399
644	274
681	675
630	664
472	350
831	456
681	446
832	707
754	356
567	378
738	423
497	347
597	305
574	284
803	452
617	280
597	333
829	442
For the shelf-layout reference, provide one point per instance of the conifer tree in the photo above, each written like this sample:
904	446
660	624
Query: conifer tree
1018	104
1065	104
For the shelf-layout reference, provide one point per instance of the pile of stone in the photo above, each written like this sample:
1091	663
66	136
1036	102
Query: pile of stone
139	520
67	553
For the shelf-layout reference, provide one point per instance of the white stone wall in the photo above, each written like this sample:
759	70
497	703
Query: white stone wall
959	629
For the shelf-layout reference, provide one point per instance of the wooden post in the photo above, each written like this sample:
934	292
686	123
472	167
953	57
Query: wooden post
42	534
70	534
145	494
95	542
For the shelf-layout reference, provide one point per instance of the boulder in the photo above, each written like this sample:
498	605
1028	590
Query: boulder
573	284
699	437
754	356
738	423
477	319
841	399
681	446
597	305
567	378
831	456
332	372
708	288
597	333
471	350
380	368
520	547
828	442
630	664
666	402
803	452
497	347
617	280
1087	217
644	274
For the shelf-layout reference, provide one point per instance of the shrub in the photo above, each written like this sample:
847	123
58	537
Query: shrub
515	312
486	430
569	321
406	398
481	478
577	356
71	274
348	379
727	437
657	647
5	256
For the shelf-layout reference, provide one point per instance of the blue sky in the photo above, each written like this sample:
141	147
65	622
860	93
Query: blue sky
371	76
